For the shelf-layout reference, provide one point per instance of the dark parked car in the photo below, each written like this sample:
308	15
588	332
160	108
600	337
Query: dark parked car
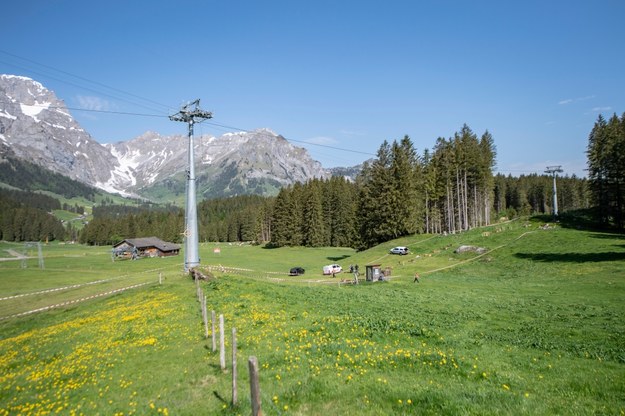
296	271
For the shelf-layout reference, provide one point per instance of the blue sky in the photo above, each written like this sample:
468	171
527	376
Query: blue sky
341	74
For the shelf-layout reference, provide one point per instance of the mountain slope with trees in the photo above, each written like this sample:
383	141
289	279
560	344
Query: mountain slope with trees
25	216
401	192
20	174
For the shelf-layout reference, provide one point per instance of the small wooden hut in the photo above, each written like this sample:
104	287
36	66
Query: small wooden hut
373	272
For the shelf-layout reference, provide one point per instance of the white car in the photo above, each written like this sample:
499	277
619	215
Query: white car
399	250
332	268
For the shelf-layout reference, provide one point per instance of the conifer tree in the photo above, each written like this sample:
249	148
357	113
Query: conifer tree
403	172
281	219
488	155
313	226
342	201
374	208
606	169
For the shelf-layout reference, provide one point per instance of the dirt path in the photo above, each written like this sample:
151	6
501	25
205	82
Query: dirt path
16	256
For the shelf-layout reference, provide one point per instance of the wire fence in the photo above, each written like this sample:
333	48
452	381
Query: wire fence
24	304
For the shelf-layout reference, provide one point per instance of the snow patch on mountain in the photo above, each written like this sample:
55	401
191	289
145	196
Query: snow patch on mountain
34	110
4	114
37	127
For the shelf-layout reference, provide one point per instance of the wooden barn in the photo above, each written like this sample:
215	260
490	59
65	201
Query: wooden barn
145	247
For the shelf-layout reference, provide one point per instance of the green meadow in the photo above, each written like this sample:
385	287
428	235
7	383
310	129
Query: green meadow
532	324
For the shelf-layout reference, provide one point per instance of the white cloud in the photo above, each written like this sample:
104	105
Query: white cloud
575	100
322	140
600	109
93	103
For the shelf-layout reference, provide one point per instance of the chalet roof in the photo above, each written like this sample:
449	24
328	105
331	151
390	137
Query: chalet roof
146	242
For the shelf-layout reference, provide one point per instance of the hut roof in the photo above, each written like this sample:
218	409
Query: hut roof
146	242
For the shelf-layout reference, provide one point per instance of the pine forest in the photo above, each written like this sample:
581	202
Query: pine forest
403	190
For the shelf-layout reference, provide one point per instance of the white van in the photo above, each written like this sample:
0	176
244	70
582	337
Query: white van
332	268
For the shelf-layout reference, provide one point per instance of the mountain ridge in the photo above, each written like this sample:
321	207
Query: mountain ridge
37	127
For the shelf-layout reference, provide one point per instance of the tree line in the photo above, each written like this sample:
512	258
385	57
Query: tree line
448	189
533	194
402	191
109	230
606	170
29	176
25	216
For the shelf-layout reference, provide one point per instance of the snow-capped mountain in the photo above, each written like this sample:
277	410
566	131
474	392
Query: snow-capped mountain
36	126
259	161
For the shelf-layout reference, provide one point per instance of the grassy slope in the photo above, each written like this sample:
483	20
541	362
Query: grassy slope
532	327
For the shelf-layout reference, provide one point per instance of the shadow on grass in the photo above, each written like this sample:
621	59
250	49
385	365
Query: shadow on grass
608	236
344	256
218	396
582	219
270	246
573	257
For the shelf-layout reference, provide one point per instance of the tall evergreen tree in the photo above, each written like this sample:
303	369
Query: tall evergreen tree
374	208
313	226
282	219
344	216
606	169
404	173
486	181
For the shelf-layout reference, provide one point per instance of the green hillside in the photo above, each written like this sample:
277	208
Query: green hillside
532	324
27	176
24	185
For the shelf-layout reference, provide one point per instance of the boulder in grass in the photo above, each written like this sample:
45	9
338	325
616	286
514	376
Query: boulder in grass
473	249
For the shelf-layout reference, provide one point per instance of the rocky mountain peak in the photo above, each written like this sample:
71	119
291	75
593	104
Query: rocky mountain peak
36	126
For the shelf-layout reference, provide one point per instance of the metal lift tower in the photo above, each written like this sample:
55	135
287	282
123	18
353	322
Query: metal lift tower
554	170
191	114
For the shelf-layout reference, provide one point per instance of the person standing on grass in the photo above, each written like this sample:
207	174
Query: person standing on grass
416	278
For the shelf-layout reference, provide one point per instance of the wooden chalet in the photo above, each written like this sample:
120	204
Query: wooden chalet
145	247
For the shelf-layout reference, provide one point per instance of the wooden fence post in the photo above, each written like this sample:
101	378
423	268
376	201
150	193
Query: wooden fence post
254	387
222	343
205	317
213	330
235	393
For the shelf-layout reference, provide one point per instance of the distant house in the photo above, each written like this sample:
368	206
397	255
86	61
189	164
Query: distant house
145	247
